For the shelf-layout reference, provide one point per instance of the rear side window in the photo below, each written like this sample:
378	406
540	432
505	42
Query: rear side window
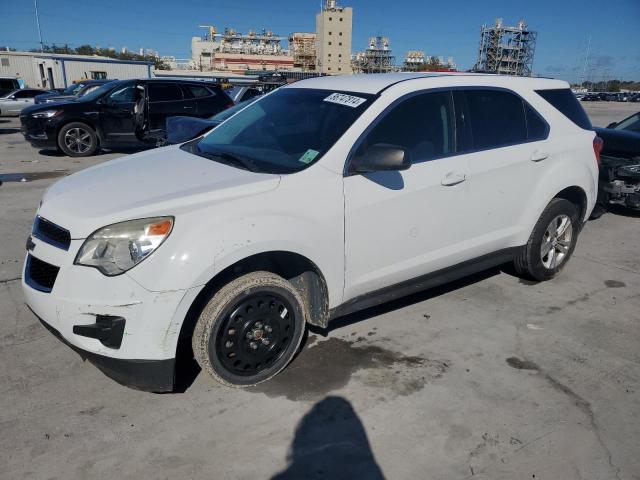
491	119
566	102
164	92
421	124
196	91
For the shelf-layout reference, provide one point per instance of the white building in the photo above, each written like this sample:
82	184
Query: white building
52	70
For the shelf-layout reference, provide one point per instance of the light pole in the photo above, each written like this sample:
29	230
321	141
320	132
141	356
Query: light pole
35	3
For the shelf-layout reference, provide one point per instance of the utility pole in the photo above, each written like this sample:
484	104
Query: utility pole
586	61
35	3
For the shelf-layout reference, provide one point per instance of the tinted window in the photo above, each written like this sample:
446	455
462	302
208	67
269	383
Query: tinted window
124	94
164	92
536	126
422	125
632	123
491	119
197	91
27	93
566	102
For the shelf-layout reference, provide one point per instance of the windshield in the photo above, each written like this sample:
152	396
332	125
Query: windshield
98	92
632	123
283	132
73	89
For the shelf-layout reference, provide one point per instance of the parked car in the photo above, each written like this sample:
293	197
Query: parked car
119	113
72	92
8	85
327	196
620	166
591	97
12	103
182	129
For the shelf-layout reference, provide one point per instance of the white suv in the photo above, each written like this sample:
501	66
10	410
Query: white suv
326	196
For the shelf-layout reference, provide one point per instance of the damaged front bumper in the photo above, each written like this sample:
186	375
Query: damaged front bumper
129	332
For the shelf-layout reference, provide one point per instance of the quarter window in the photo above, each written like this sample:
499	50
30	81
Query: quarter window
421	124
536	127
490	119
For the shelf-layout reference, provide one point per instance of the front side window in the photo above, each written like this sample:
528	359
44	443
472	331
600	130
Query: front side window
124	94
27	93
421	124
283	132
490	119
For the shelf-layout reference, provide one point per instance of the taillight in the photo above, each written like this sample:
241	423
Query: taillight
598	144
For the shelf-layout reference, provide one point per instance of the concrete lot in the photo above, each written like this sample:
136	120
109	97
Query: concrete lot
490	378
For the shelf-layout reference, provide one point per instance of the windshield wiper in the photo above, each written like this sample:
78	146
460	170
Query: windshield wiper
243	162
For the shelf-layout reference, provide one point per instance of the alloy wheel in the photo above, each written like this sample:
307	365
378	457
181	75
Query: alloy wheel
556	242
78	140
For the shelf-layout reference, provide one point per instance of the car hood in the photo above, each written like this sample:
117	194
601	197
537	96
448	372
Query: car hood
619	142
166	181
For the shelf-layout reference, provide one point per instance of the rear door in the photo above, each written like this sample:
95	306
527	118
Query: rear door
165	100
502	138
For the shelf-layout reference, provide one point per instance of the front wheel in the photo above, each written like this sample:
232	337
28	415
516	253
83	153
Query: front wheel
551	243
77	139
250	329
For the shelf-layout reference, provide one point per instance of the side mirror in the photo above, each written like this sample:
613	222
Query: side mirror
612	125
381	157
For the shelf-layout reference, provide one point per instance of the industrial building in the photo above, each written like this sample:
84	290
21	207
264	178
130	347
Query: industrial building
236	52
416	60
378	58
49	70
506	50
302	46
333	38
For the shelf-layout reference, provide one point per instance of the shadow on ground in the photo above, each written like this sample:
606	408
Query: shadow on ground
330	442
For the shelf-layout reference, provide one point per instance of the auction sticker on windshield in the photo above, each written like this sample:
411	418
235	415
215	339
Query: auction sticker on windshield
346	100
308	156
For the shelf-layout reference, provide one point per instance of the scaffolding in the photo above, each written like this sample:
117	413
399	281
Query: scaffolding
506	50
375	59
302	46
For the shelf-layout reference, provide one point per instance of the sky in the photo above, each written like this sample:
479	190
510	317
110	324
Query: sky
610	31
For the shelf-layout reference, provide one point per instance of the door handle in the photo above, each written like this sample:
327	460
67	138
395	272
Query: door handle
453	178
538	156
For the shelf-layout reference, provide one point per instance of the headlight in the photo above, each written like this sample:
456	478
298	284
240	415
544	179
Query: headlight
116	248
46	114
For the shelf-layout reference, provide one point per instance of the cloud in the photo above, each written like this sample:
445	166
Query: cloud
561	69
602	61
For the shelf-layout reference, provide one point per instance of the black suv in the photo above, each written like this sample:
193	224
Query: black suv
124	113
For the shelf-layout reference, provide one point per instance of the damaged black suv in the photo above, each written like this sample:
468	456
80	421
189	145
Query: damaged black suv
126	113
620	165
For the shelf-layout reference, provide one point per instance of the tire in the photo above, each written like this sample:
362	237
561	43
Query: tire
77	139
533	263
250	329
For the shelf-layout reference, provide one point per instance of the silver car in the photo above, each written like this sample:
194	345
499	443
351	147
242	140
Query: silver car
12	103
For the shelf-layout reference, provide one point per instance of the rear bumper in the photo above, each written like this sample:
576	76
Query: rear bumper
147	375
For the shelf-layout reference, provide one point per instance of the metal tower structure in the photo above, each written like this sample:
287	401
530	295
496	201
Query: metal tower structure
506	50
375	59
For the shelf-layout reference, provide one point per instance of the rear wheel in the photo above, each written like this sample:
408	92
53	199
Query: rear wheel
551	243
250	329
77	139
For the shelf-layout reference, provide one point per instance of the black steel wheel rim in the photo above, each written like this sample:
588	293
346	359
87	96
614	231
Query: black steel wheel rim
255	333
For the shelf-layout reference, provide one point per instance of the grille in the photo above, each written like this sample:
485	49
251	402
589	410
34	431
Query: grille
51	233
40	275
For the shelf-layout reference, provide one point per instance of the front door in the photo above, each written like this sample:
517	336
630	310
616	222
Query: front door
400	225
117	115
